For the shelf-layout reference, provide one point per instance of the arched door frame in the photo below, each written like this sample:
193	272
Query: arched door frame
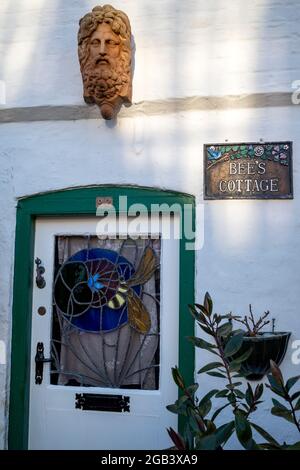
82	202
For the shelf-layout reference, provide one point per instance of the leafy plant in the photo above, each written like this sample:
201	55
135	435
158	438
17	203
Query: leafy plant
201	431
282	389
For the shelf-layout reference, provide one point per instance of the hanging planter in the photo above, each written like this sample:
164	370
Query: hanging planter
265	347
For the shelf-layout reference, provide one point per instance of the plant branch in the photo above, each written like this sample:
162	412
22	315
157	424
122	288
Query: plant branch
293	413
256	326
225	362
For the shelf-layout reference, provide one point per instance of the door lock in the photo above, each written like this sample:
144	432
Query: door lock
39	363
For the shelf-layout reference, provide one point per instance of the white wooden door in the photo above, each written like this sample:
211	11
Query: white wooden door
55	422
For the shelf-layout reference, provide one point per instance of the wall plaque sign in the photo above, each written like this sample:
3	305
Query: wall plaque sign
248	171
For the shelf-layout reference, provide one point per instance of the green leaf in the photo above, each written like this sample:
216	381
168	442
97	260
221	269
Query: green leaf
210	394
210	426
239	394
172	408
177	439
216	374
249	395
225	330
280	394
280	410
276	373
181	406
243	430
235	367
201	343
231	398
222	393
208	303
206	329
218	411
246	407
181	400
275	387
191	389
177	377
297	405
258	391
194	424
197	315
279	405
233	385
205	404
295	446
211	365
233	345
291	382
243	356
224	433
203	310
266	446
188	436
265	434
205	408
295	395
207	442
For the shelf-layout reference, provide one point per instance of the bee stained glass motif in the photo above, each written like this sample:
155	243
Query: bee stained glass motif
105	328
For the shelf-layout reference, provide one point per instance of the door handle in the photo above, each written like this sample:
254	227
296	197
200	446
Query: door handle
40	270
39	363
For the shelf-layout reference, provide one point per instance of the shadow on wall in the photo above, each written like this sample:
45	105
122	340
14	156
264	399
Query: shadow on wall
183	48
226	60
210	49
258	43
39	40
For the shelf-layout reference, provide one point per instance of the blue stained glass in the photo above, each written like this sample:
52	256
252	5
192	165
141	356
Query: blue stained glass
94	280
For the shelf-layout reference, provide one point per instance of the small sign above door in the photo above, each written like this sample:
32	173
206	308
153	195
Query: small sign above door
104	201
248	171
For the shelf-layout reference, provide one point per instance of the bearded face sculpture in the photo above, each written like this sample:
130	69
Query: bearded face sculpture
104	50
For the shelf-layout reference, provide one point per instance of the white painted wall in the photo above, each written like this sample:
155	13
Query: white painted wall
250	250
183	48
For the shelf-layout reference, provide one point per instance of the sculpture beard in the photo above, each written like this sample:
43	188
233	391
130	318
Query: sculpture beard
106	83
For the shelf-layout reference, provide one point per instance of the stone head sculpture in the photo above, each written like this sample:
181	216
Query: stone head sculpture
104	50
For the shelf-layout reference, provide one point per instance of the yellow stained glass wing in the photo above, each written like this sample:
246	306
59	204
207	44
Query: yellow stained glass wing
138	316
145	269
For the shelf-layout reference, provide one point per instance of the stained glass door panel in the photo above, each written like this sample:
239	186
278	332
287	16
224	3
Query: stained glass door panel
105	323
110	330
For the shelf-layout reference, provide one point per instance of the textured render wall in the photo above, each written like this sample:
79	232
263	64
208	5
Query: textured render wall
187	48
183	48
250	248
7	235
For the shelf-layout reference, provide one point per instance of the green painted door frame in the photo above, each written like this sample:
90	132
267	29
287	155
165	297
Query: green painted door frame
81	202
